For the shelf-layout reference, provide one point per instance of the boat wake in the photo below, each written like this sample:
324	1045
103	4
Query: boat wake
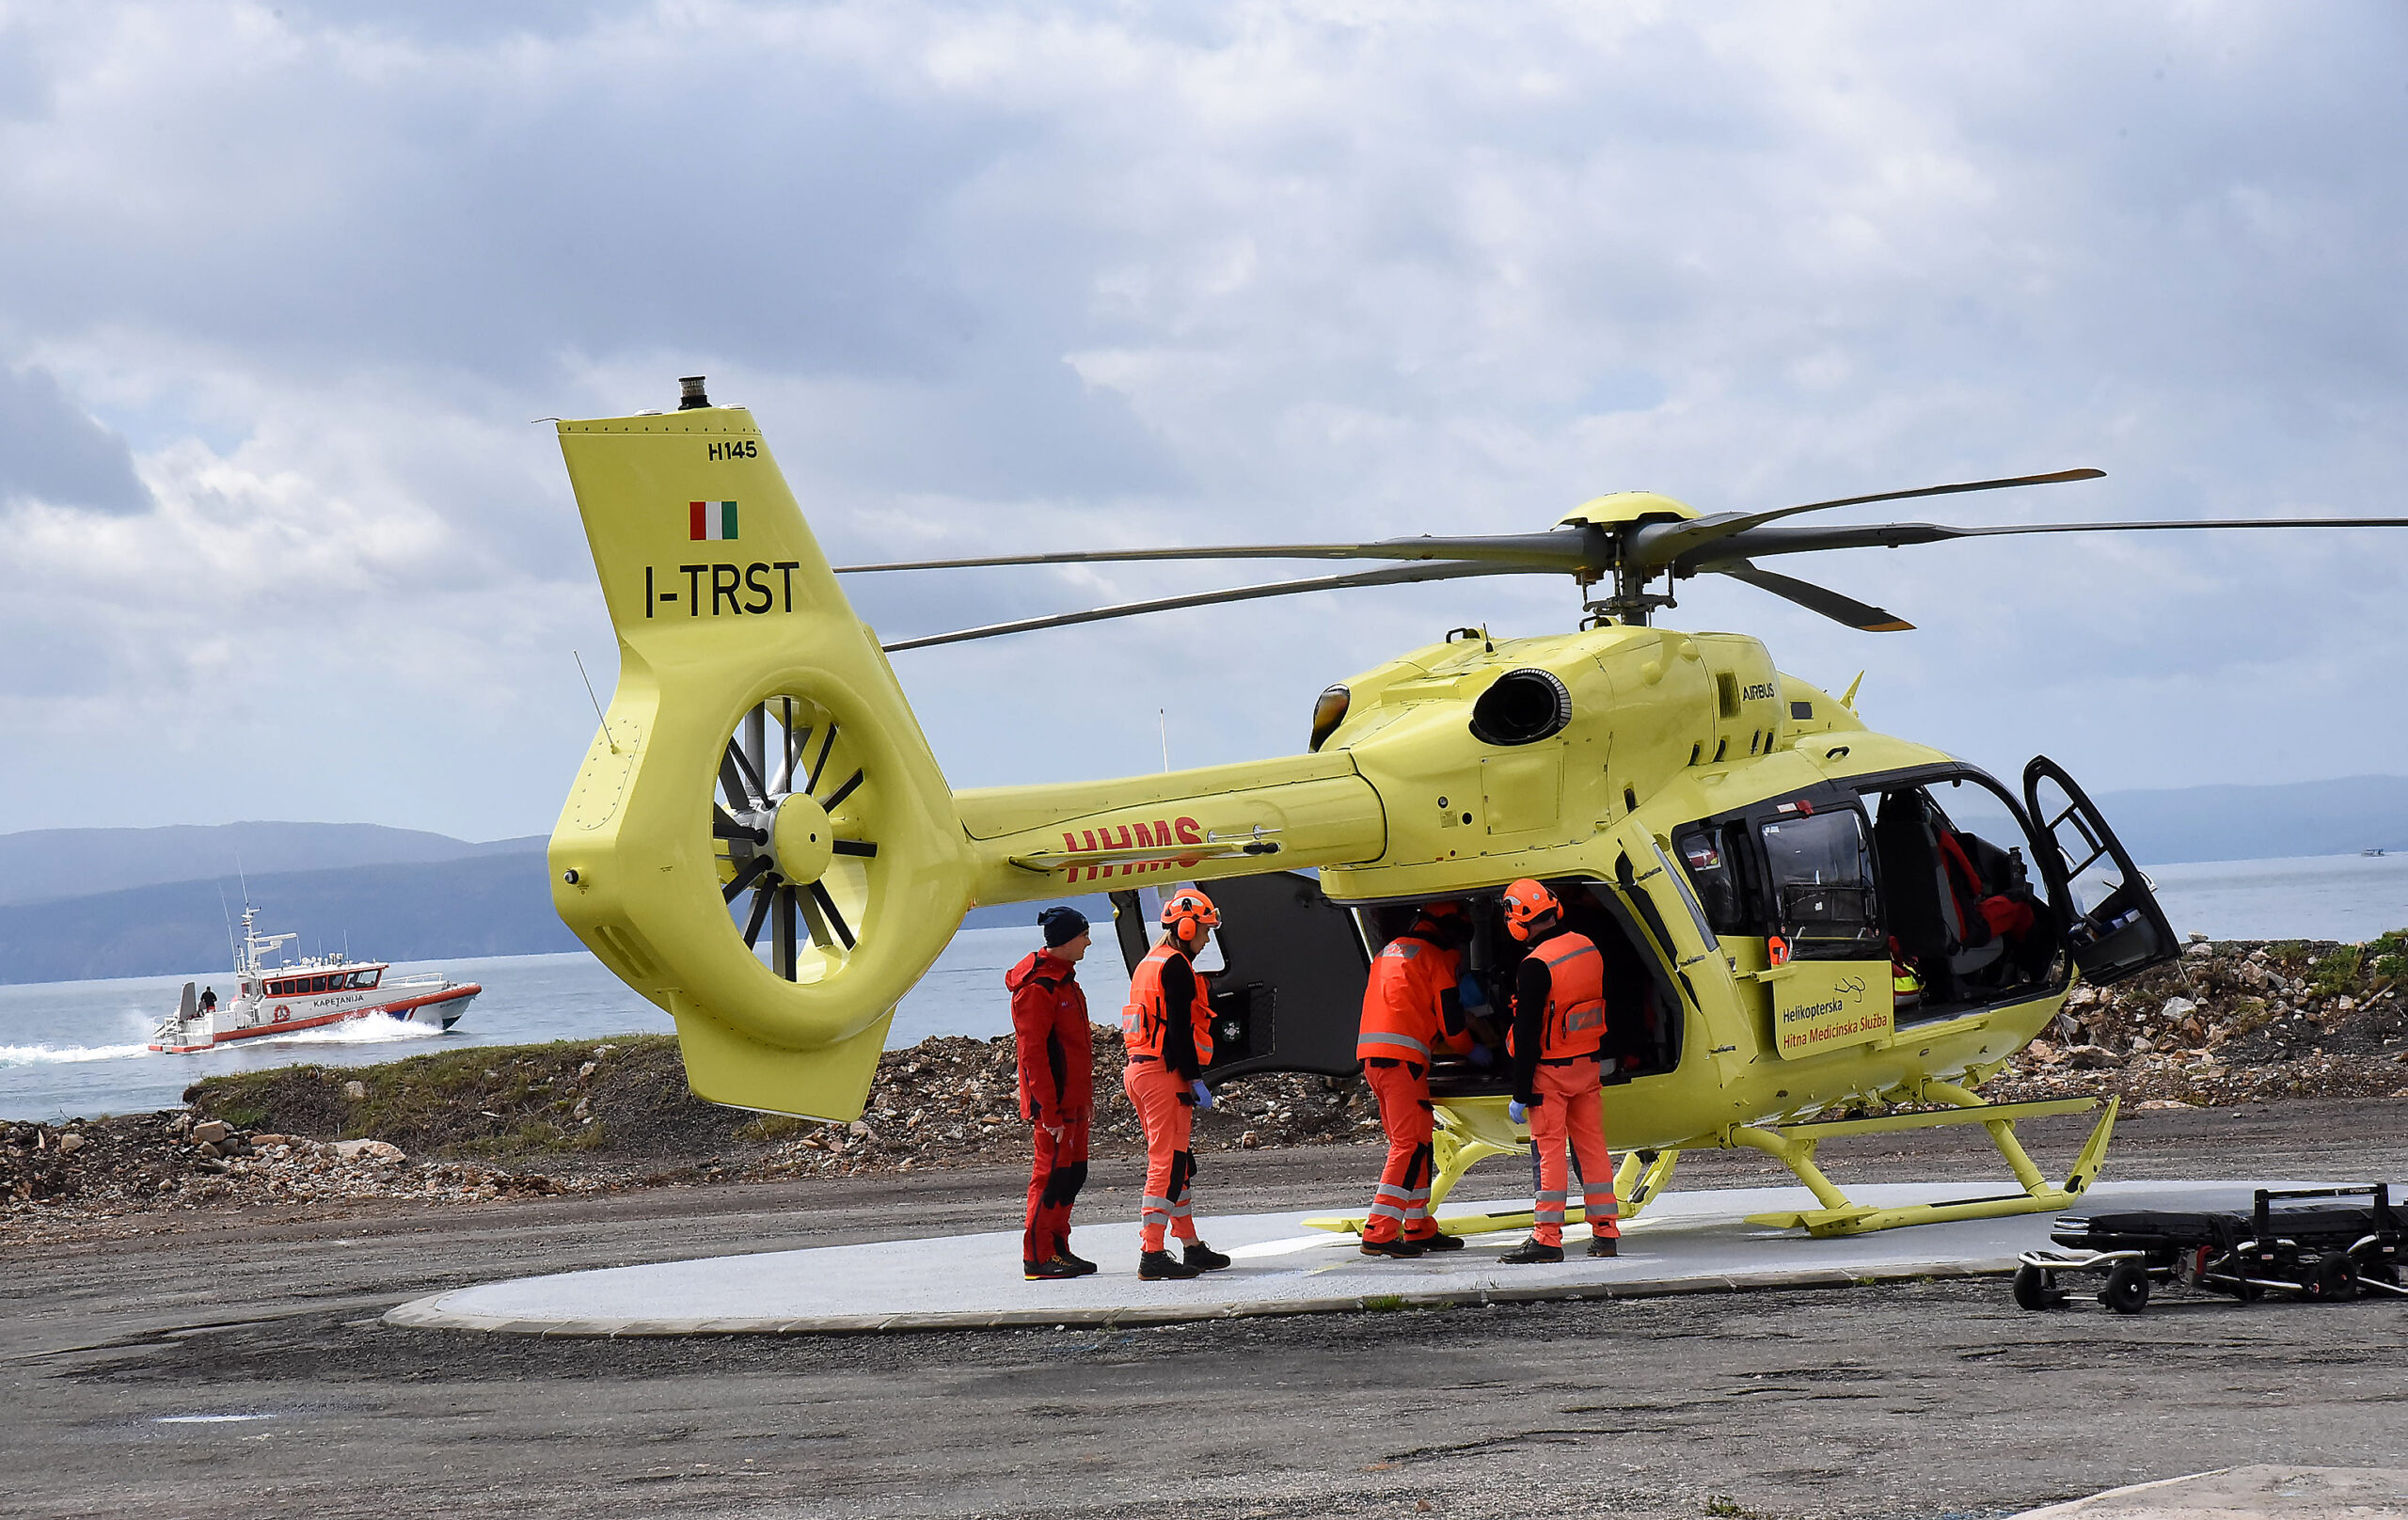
66	1055
375	1029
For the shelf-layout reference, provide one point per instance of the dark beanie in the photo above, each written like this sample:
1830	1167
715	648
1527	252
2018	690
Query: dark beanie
1061	925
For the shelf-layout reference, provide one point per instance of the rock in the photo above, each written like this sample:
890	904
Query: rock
2091	1057
601	1050
212	1131
2253	974
861	1128
2177	1009
261	1142
2044	1053
1250	1141
2198	948
378	1150
588	1070
2082	997
2344	1004
2142	1045
70	1143
356	1090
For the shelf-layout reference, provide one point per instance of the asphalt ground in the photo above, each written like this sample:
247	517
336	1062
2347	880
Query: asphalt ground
234	1364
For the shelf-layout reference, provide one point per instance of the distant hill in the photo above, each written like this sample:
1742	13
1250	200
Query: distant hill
2239	823
482	905
2254	823
44	864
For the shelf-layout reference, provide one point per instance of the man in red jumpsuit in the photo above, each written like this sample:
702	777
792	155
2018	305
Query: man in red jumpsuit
1411	1007
1559	1026
1168	1026
1056	1087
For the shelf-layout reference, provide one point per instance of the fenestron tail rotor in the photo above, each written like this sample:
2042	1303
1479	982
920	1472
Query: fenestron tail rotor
800	851
1631	541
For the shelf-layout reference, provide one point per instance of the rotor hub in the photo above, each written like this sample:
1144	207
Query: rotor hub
800	838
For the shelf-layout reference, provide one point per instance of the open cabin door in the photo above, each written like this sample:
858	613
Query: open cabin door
2118	928
1291	997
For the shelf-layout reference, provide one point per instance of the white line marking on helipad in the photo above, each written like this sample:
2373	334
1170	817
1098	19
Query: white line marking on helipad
204	1420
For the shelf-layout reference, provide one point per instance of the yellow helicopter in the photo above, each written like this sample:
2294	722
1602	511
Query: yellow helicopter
1787	899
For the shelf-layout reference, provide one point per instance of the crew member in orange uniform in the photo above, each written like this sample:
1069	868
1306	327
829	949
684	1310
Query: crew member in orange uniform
1411	1007
1168	1028
1558	1025
1057	1054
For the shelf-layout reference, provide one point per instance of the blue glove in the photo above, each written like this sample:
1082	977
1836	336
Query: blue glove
1479	1055
1470	993
1203	1095
1515	1111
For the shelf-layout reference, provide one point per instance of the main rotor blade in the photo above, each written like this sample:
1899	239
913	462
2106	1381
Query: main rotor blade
747	773
1395	576
1568	548
827	910
1814	598
1657	545
1757	542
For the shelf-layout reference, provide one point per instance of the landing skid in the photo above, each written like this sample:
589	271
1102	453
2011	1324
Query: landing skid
1643	1173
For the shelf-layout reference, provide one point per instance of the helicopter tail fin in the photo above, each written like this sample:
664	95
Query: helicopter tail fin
831	846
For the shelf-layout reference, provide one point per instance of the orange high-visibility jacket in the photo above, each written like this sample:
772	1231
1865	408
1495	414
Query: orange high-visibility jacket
1144	1023
1403	1003
1573	1021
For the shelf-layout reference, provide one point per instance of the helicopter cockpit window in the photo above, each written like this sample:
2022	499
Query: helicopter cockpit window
1821	870
1710	862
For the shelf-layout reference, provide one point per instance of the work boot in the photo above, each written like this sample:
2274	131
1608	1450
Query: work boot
1080	1266
1401	1250
1532	1251
1156	1266
1044	1271
1204	1258
1603	1245
1440	1241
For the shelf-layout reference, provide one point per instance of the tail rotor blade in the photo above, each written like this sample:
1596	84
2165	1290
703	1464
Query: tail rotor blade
837	798
827	742
781	944
828	909
747	777
745	874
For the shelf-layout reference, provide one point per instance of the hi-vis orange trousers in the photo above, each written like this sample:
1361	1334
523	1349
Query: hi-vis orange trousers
1572	1111
1163	1107
1401	1204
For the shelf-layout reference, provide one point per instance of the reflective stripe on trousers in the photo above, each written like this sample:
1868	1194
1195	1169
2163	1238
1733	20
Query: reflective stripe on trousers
1572	1117
1401	1205
1169	1205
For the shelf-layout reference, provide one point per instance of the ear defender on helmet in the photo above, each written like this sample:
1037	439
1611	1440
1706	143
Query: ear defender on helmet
1526	903
1185	910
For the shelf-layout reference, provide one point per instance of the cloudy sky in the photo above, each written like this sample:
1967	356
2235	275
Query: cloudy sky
281	289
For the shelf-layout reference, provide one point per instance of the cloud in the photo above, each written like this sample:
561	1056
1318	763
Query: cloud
51	451
999	276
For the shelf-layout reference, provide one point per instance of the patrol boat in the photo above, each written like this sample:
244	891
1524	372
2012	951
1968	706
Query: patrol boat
307	994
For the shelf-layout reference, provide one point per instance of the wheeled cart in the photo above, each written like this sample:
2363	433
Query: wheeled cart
2314	1243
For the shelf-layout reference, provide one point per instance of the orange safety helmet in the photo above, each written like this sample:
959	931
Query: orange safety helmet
1186	908
1445	921
1526	903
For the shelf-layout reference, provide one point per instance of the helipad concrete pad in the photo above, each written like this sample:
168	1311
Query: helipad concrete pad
1685	1242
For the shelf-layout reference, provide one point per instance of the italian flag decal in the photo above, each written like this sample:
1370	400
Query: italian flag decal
711	520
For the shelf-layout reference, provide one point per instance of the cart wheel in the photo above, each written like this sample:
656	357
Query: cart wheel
2335	1280
2126	1289
2032	1289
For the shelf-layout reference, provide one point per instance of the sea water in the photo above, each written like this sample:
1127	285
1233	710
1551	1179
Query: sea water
70	1048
